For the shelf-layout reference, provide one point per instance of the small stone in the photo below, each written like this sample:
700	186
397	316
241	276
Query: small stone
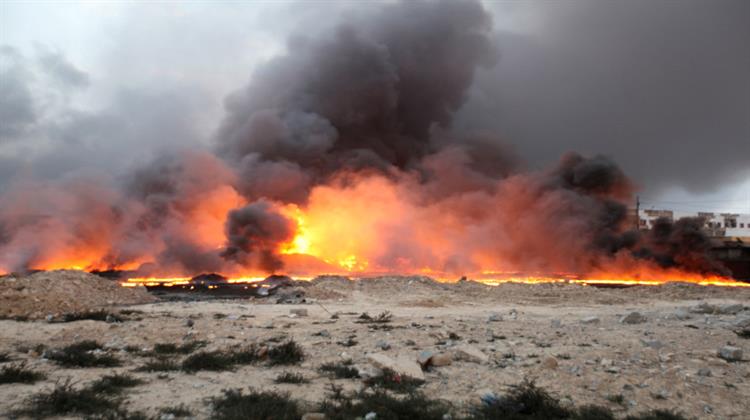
402	366
666	358
742	322
424	356
300	312
556	323
233	317
652	343
371	415
49	318
550	363
682	315
410	343
730	309
441	359
110	319
382	345
469	354
494	317
313	416
590	320
189	323
730	353
633	318
704	372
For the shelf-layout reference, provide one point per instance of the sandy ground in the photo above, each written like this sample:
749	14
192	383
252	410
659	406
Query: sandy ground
541	336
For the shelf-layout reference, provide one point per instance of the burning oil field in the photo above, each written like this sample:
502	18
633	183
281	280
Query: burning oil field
376	214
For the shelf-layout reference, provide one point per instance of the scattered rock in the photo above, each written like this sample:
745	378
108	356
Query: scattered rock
470	354
742	322
424	356
441	359
704	372
382	345
633	318
402	366
590	320
707	308
300	312
730	353
550	363
652	343
494	317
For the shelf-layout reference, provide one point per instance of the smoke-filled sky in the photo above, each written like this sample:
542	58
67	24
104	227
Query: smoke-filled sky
662	87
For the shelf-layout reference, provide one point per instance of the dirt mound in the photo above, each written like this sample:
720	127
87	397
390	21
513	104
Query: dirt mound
55	292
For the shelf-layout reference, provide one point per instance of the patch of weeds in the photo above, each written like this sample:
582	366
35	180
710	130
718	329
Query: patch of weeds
5	357
19	374
743	333
158	365
289	353
176	411
563	356
256	405
119	414
291	378
340	370
245	355
525	401
172	348
382	318
114	384
38	348
657	415
208	360
340	406
219	316
132	349
65	399
391	380
616	398
82	354
98	315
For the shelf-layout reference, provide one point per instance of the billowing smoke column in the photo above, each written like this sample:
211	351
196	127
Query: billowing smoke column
342	150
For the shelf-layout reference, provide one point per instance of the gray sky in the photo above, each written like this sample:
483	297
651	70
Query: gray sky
662	87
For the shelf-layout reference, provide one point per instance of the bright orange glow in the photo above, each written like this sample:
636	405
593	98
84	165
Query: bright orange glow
368	225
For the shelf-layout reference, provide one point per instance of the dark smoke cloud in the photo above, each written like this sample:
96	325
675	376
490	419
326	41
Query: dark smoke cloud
375	97
366	95
253	235
662	86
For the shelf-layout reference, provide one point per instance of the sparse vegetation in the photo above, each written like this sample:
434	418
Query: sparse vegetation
19	374
208	360
392	381
340	406
291	378
97	315
176	411
65	399
184	348
340	370
5	357
289	353
82	354
158	365
256	405
616	398
114	384
382	318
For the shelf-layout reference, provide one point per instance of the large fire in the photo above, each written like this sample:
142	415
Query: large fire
341	156
371	225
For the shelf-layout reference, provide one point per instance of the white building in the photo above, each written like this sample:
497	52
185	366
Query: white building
716	224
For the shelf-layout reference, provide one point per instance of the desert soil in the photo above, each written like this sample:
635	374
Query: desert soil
532	332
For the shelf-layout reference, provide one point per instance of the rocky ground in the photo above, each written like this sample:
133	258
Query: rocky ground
670	347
